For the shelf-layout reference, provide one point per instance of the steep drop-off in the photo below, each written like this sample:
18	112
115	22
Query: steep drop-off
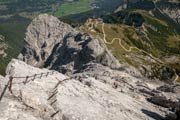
143	37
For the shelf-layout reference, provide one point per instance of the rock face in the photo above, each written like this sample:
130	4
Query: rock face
78	50
56	45
173	13
2	47
53	97
171	9
42	35
178	112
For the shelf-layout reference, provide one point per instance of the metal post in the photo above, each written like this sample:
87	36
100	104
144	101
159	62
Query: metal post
34	77
10	84
4	90
26	79
47	74
41	75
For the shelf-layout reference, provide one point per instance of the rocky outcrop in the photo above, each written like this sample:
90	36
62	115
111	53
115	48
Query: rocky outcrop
164	100
170	9
1	84
173	13
109	95
168	96
42	35
2	46
58	46
178	112
78	50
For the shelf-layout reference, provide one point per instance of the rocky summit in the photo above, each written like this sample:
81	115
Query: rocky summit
64	74
54	44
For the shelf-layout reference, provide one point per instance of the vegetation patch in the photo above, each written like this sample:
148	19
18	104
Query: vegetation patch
14	32
69	8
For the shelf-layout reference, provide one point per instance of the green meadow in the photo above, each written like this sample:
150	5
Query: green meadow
69	8
14	32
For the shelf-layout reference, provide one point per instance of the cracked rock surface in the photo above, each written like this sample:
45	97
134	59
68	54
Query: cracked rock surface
81	97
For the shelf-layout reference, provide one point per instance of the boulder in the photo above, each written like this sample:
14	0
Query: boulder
164	100
178	114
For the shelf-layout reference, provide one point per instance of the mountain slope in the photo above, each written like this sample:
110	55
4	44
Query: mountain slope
144	37
13	29
58	97
96	85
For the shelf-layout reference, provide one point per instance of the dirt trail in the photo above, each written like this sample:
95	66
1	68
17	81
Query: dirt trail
130	48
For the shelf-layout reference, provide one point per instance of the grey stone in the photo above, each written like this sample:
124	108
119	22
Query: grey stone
54	44
45	97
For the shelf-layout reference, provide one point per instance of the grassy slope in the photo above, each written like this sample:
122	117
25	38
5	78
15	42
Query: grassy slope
127	34
14	32
159	41
69	8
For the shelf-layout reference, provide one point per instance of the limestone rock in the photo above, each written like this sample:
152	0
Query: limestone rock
3	46
164	100
168	97
54	98
57	45
173	13
78	50
1	82
42	35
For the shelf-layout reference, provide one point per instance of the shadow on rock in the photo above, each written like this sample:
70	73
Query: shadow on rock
153	115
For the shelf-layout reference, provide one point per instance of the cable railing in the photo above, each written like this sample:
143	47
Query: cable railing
32	78
27	80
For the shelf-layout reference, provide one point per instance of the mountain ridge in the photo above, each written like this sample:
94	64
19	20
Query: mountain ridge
150	31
